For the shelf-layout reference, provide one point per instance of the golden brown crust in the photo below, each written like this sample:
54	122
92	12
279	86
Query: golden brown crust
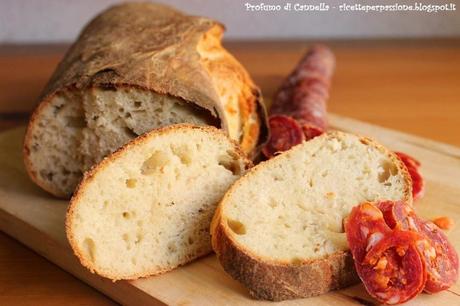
279	280
155	47
282	281
90	175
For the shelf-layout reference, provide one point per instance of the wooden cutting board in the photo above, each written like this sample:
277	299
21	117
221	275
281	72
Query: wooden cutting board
37	220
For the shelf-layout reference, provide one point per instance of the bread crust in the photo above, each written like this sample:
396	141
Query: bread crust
90	175
156	48
277	280
281	281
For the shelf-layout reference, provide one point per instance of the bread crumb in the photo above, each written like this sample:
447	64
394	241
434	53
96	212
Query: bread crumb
444	223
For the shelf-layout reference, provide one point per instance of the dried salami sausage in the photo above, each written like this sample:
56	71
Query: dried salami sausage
285	133
302	97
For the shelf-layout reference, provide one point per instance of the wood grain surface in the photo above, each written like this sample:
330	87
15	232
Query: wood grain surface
409	86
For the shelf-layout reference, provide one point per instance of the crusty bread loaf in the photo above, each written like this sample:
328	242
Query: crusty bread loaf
136	67
279	231
146	208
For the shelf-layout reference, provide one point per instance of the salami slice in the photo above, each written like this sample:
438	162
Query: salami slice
398	215
285	133
393	271
440	257
408	160
302	98
413	165
387	261
364	228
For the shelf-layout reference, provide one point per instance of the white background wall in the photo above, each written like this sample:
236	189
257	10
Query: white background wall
56	21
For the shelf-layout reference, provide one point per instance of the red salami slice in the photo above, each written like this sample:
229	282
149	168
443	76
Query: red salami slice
302	97
407	159
440	257
364	228
285	133
393	271
398	215
387	261
413	165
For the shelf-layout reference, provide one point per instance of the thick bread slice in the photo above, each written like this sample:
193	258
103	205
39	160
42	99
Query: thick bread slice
146	208
279	230
136	67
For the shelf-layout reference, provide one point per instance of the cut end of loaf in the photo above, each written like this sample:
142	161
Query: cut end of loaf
76	129
304	195
146	209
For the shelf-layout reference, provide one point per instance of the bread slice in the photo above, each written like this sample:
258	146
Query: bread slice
146	208
134	68
279	231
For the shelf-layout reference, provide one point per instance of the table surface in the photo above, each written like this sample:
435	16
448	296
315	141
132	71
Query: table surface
411	86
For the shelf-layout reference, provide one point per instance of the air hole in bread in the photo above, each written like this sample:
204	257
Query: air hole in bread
75	122
126	215
229	163
172	247
386	170
139	238
57	108
324	173
183	153
89	247
237	227
131	183
129	132
157	161
190	240
137	104
47	175
127	240
106	204
273	203
65	171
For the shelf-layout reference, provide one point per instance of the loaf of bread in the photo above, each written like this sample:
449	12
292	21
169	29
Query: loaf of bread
146	208
136	67
279	230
